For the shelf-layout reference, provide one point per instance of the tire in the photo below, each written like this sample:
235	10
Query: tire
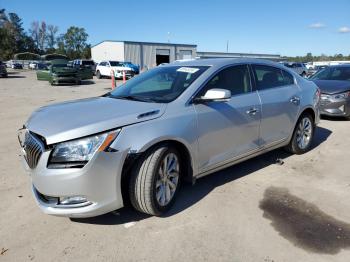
98	75
302	136
148	189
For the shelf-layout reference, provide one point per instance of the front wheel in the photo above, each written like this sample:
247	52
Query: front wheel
155	181
98	75
302	136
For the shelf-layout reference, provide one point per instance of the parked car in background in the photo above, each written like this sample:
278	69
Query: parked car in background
16	65
33	65
299	68
133	67
58	72
171	124
3	71
315	69
334	83
85	63
104	68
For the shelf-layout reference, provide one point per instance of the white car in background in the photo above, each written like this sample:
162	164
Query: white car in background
299	68
104	69
33	65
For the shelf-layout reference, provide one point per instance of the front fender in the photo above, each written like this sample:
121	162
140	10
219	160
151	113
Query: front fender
180	127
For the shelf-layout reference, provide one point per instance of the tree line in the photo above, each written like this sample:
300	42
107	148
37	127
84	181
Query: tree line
311	58
41	38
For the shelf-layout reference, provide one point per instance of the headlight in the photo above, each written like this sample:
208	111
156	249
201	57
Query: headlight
82	150
341	95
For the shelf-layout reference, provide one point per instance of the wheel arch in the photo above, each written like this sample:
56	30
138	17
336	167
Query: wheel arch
132	159
308	110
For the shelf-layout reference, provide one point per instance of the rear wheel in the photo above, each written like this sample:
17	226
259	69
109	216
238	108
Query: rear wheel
303	135
155	181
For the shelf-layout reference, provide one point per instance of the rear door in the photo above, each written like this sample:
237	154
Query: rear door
227	130
280	102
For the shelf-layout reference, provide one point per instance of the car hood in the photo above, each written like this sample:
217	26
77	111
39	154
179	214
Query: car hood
79	118
332	86
121	68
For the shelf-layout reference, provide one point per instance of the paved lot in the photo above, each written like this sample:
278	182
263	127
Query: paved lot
256	211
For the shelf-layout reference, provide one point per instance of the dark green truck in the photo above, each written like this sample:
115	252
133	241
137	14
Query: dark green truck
58	72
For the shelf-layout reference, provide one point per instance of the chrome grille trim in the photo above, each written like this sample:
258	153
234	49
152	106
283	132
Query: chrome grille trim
33	148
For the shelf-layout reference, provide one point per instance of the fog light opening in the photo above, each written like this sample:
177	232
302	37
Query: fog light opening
342	108
72	200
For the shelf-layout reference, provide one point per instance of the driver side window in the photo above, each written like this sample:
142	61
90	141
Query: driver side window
234	78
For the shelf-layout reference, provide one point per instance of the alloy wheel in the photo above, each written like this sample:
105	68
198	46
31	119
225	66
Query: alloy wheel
167	179
304	133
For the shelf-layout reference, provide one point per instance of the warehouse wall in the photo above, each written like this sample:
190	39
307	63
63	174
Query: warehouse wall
144	54
132	53
108	51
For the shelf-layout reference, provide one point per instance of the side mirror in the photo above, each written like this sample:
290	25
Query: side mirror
215	94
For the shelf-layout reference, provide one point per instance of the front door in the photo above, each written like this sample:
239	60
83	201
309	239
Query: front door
227	130
280	99
43	75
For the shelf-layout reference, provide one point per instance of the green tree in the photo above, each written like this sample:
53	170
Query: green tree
75	42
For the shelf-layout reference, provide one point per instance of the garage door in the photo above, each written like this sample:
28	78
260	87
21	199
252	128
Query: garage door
185	54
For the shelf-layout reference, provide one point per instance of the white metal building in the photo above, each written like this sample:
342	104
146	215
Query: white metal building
145	54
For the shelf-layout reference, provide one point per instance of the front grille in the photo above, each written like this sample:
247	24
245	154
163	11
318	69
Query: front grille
33	148
66	75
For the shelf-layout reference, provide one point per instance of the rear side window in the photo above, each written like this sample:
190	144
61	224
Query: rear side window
271	77
235	78
288	78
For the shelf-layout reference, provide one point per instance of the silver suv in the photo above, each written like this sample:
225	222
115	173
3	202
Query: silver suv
171	124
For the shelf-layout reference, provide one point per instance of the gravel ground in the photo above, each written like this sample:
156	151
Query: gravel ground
276	207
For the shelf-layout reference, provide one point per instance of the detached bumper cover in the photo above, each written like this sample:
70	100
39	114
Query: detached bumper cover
98	181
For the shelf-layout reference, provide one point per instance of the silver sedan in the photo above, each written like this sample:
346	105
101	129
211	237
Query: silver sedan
171	124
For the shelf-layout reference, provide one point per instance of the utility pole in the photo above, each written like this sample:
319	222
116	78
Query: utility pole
227	46
168	37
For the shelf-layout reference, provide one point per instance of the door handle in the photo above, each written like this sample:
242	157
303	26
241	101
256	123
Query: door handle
295	100
252	111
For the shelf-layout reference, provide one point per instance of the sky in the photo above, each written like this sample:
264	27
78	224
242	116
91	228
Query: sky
285	27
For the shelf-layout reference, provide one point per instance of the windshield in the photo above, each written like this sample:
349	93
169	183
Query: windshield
162	84
114	63
333	73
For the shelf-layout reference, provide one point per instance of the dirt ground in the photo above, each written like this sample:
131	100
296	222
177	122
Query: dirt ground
294	209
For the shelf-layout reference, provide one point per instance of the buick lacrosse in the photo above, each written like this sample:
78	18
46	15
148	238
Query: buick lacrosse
174	123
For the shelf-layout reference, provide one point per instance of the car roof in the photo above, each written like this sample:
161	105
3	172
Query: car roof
342	65
222	62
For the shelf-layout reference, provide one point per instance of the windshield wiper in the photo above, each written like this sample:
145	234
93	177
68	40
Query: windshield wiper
134	98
